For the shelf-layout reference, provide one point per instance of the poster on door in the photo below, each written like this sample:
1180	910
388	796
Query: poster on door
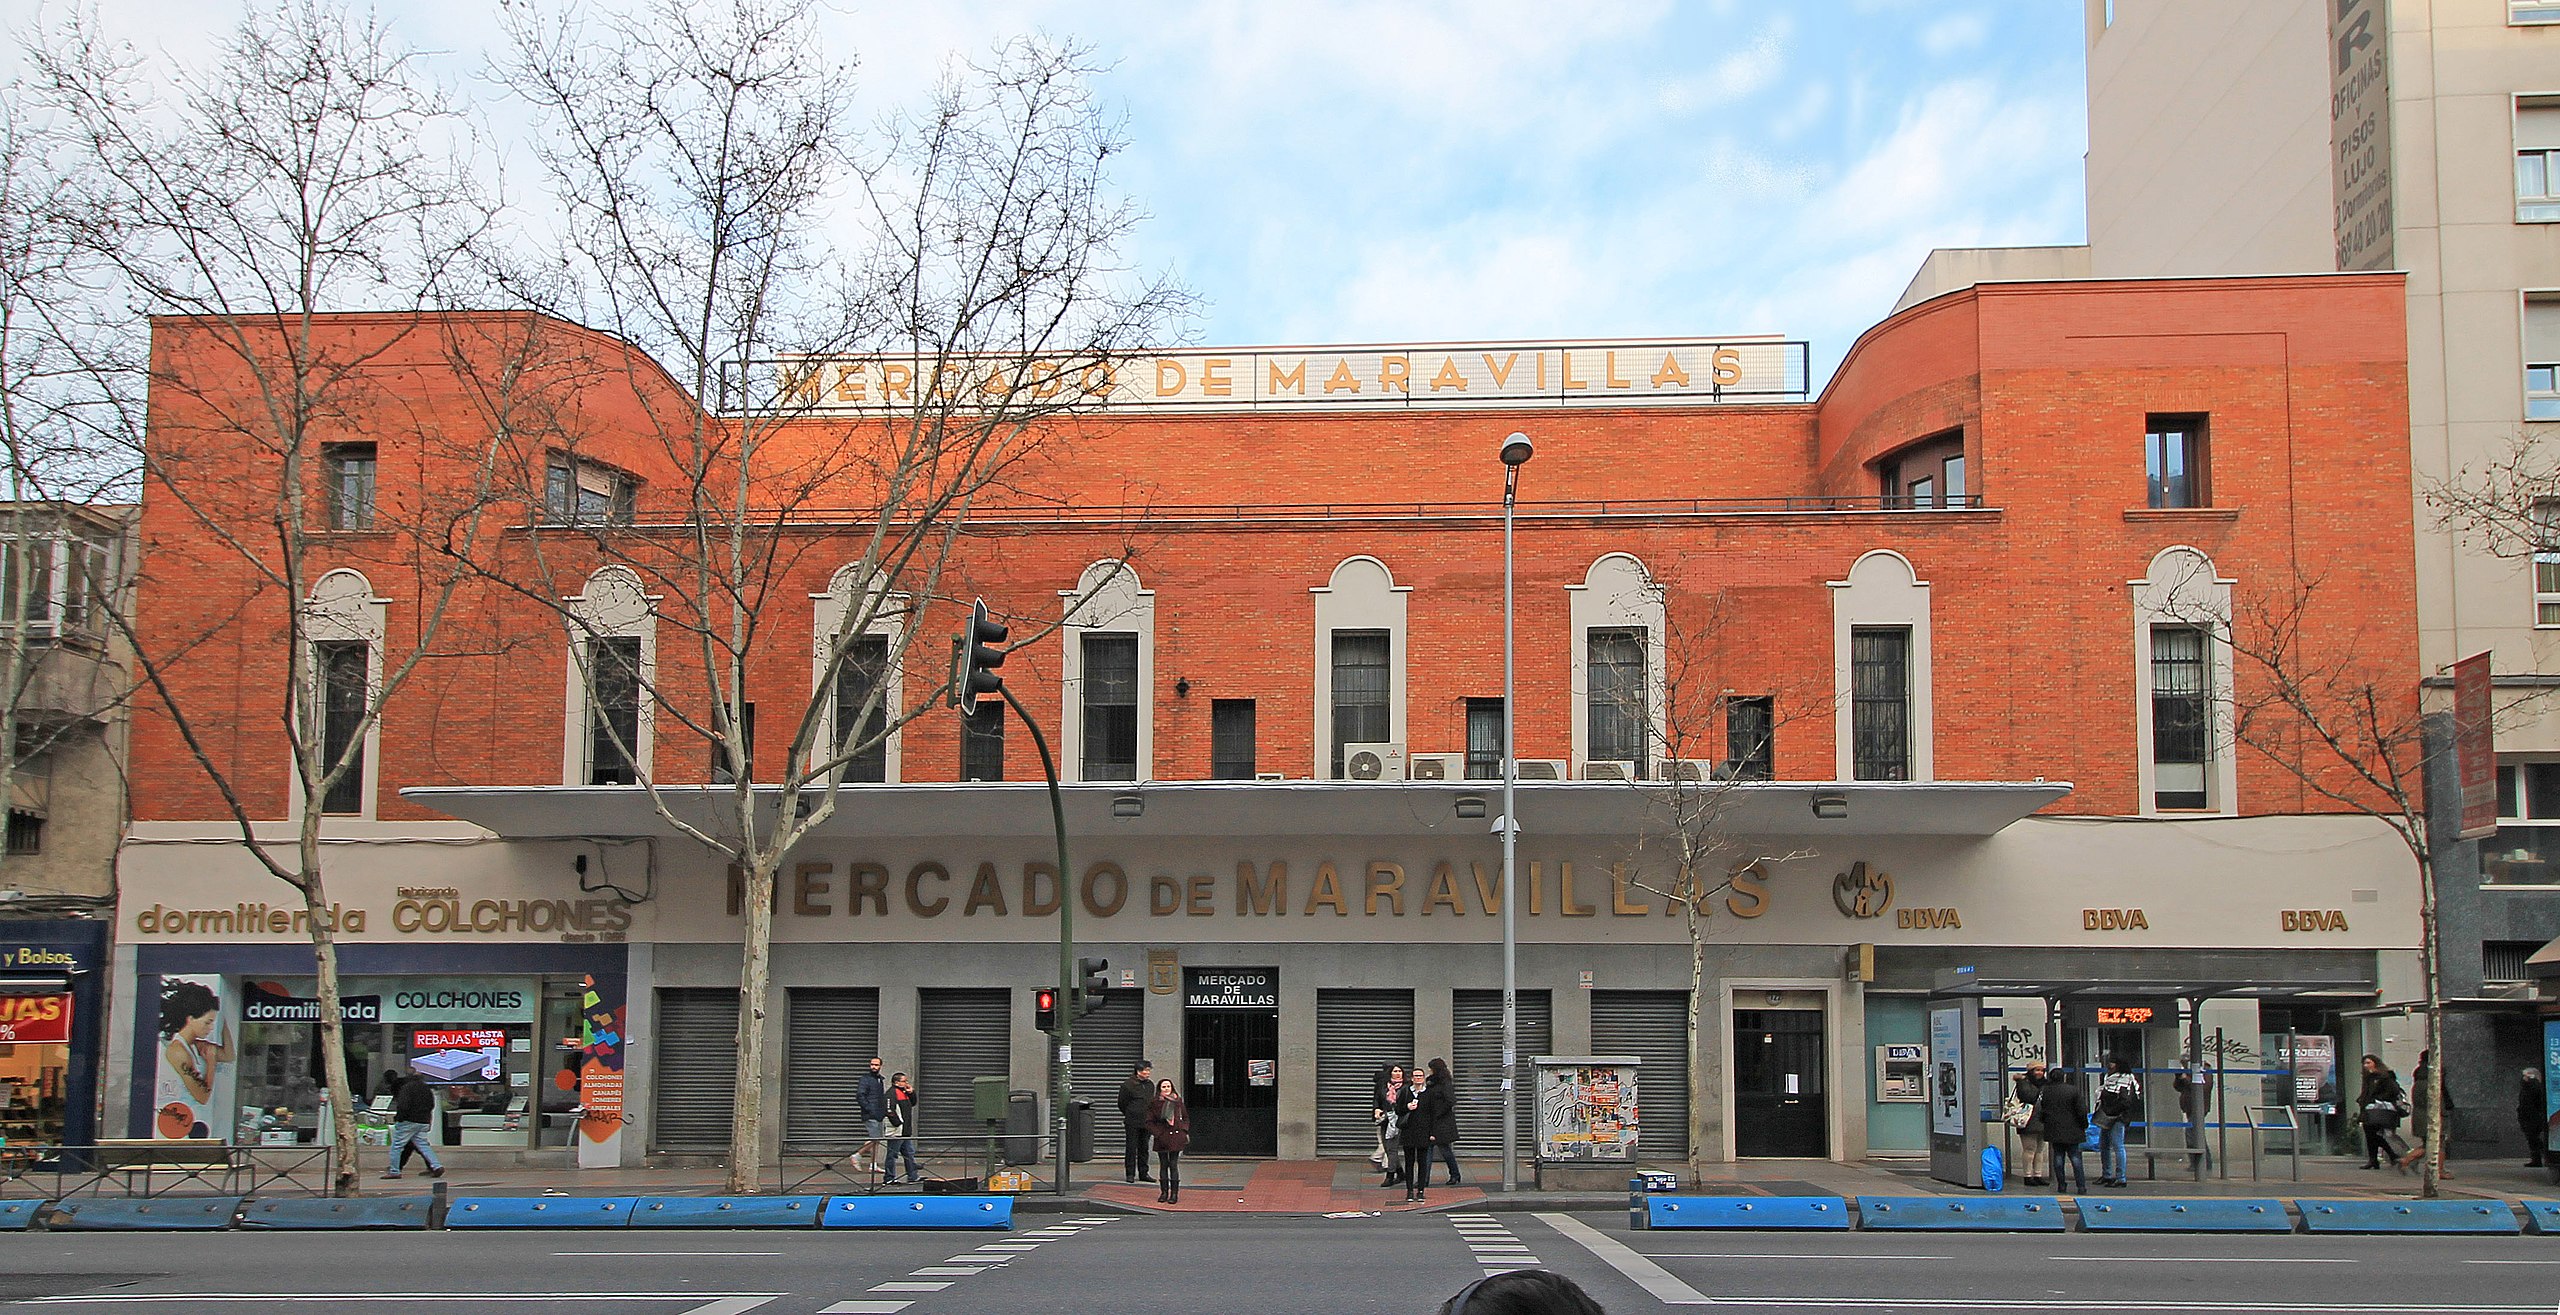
192	1094
601	1017
1587	1108
1946	1089
2313	1062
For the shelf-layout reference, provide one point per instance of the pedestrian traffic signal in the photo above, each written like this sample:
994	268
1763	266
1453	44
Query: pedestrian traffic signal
1093	980
979	658
1044	1002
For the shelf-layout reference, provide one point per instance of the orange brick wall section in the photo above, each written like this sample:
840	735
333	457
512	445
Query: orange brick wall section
2303	380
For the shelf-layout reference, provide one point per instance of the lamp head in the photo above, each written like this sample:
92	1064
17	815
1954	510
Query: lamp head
1516	450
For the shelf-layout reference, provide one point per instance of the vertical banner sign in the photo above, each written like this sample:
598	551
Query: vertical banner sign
2360	132
1946	1091
2551	1084
2475	744
601	1015
192	1093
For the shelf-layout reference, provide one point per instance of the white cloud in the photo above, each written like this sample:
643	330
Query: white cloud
1956	32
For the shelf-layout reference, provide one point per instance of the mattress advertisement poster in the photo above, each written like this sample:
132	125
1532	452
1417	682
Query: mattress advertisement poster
458	1058
191	1094
1586	1108
1946	1089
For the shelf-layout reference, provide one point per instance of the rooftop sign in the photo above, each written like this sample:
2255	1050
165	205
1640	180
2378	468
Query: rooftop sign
1597	373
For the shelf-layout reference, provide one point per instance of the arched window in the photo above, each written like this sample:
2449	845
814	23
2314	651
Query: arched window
870	687
613	663
343	625
1880	671
1617	666
2183	731
1359	661
1108	676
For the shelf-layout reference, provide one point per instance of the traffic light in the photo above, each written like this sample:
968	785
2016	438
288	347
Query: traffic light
979	658
1092	982
1045	1002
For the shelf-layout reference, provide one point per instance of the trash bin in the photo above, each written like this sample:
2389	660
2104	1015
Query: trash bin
1022	1128
1080	1131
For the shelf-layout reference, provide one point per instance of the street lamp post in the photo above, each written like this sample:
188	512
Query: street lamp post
1516	451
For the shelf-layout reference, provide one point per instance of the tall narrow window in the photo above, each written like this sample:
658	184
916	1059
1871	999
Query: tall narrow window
345	676
746	735
26	832
2546	564
2173	457
2181	717
862	709
982	742
1110	706
2542	356
349	468
1484	739
1617	705
1750	743
1359	690
2537	161
26	573
613	710
1231	733
1880	703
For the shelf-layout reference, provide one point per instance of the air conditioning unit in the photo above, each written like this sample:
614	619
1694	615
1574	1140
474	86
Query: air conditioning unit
1435	767
1541	769
1609	769
1381	761
1688	769
1269	776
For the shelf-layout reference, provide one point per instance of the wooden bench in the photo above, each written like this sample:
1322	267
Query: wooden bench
198	1160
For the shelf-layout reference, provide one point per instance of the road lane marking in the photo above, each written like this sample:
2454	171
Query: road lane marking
1645	1274
1785	1255
730	1306
2511	1262
2148	1304
2212	1260
652	1255
865	1308
128	1298
953	1271
912	1285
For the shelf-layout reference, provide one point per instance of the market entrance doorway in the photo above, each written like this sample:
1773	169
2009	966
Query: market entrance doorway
1231	1059
1779	1107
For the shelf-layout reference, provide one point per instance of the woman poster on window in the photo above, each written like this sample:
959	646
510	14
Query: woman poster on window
192	1097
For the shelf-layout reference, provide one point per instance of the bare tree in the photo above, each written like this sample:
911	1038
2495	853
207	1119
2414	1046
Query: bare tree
306	168
847	390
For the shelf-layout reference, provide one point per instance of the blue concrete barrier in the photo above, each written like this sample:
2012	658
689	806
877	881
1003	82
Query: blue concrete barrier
727	1211
1748	1212
1985	1214
2409	1217
307	1212
154	1214
15	1215
2200	1215
918	1212
2544	1216
540	1212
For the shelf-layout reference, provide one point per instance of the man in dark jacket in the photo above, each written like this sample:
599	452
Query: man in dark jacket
2063	1109
871	1097
2533	1115
413	1116
1134	1095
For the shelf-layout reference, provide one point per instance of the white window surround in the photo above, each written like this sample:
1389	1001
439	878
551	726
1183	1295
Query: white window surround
1883	589
2538	317
1361	595
342	609
2181	588
889	620
612	606
1617	592
1107	599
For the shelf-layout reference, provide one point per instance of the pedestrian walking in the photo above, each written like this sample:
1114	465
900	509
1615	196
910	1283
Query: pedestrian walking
2062	1111
2380	1103
2195	1101
2020	1115
871	1105
1522	1292
1169	1126
1387	1114
413	1116
902	1129
1135	1095
2423	1095
2119	1105
1430	1114
2533	1115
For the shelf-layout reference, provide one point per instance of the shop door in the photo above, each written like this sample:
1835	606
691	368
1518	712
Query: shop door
1358	1033
834	1032
695	1086
1475	1056
1231	1059
961	1035
1653	1026
1107	1051
1779	1109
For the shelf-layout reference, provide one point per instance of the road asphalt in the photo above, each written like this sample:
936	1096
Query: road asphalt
1216	1264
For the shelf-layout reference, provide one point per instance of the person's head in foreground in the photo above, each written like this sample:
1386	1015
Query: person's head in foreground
1522	1292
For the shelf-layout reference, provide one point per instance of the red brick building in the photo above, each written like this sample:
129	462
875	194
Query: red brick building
1953	619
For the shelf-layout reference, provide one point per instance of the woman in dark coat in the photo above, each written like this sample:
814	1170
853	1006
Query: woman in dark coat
1169	1124
1389	1109
1444	1134
2378	1106
1428	1109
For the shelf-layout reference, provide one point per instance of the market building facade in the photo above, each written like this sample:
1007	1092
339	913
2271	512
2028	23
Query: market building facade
1931	643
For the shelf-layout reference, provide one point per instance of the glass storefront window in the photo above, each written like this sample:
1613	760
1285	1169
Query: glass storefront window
31	1093
472	1039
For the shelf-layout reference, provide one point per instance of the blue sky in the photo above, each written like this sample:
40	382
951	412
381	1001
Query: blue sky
1330	171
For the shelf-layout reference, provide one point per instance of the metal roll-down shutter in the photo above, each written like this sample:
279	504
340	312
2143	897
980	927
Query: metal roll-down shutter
1475	1053
1357	1034
834	1032
695	1071
961	1035
1652	1026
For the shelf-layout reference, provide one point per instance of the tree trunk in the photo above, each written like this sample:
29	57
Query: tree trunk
746	1127
2431	1128
1698	1095
333	1031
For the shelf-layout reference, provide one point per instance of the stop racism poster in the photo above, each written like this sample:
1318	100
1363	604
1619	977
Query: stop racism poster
192	1095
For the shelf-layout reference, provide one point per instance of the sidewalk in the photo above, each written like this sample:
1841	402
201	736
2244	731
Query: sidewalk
1332	1186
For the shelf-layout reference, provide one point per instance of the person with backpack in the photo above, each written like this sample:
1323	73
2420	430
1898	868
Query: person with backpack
2062	1113
2119	1104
